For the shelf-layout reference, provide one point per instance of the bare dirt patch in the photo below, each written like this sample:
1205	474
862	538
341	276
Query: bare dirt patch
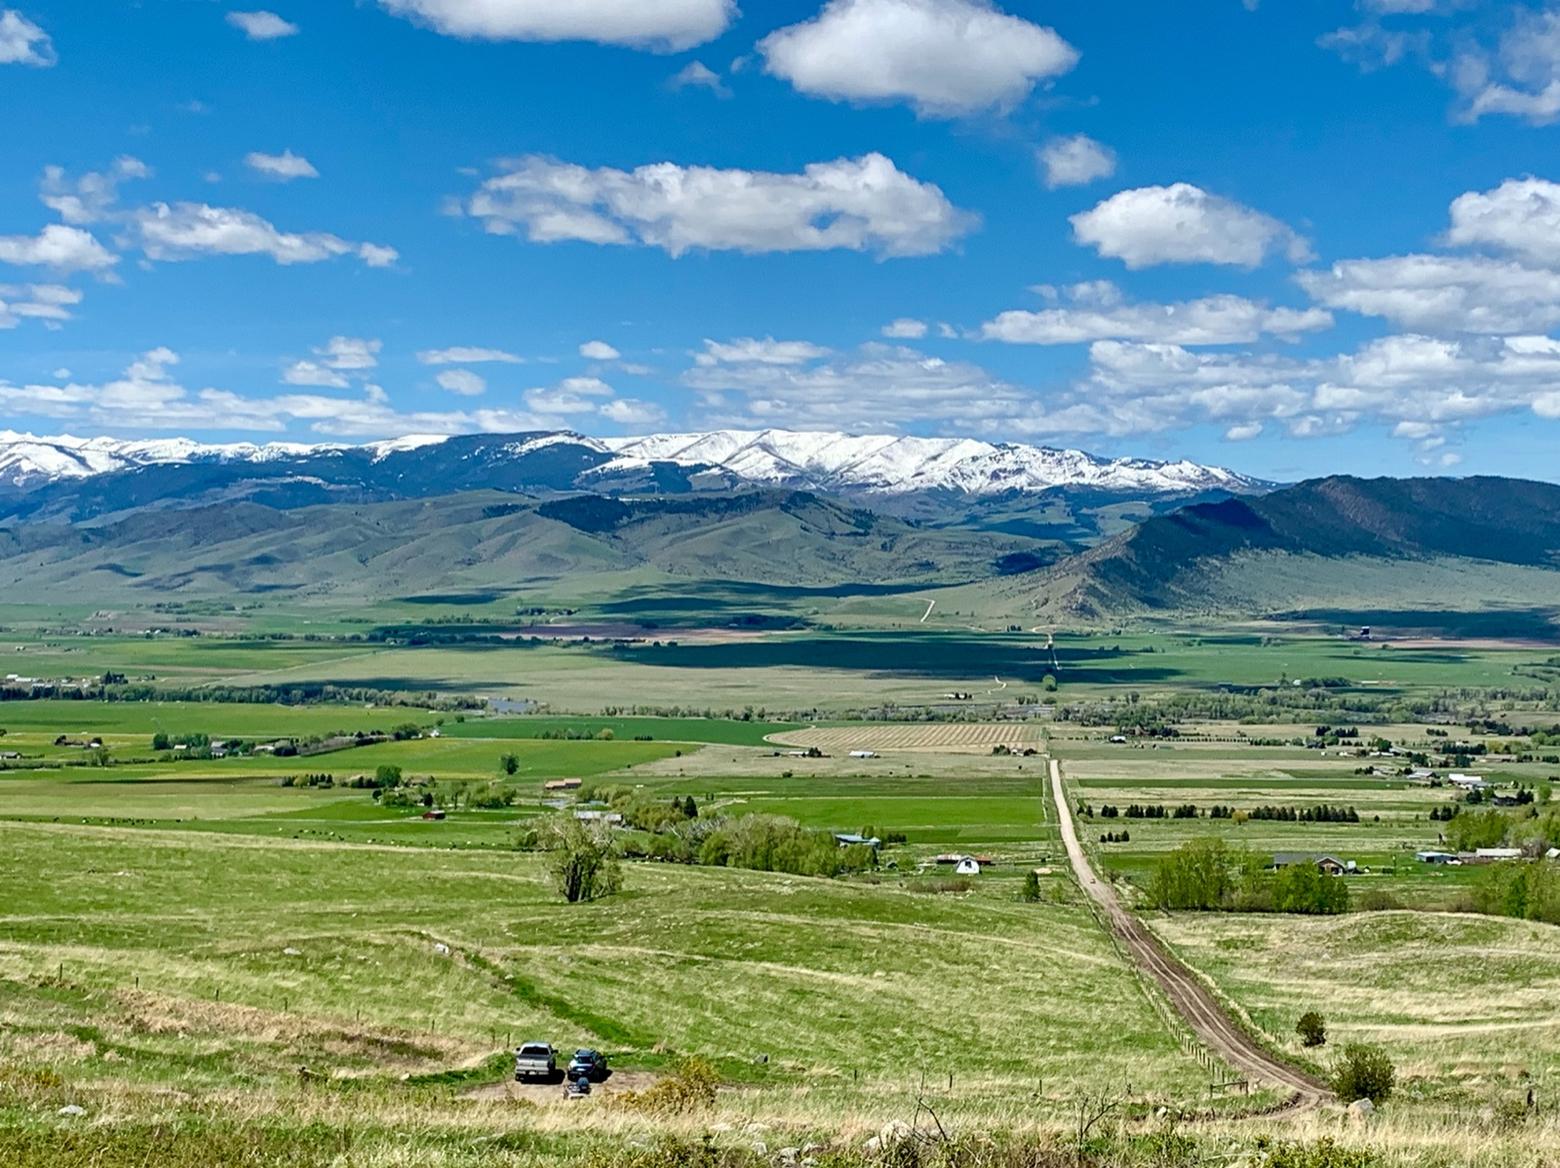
619	1084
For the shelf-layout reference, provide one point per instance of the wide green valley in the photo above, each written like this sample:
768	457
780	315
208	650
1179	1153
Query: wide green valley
286	882
779	584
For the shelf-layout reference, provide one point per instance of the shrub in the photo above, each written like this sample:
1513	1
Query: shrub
1030	893
1324	1153
1312	1029
691	1086
1364	1072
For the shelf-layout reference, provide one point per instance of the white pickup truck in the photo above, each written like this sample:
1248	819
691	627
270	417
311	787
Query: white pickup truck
536	1063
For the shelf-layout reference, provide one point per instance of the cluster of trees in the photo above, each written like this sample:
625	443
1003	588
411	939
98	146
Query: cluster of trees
572	734
763	843
312	780
1532	829
1335	735
1116	837
392	788
772	843
1529	889
299	694
642	810
1208	875
1321	813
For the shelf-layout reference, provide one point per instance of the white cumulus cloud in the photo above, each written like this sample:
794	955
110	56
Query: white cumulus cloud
284	167
49	303
905	329
65	249
627	411
468	355
698	75
462	381
262	25
756	351
660	25
1476	294
24	43
944	57
1075	161
186	231
91	198
336	363
1521	216
1098	313
599	351
858	204
1184	224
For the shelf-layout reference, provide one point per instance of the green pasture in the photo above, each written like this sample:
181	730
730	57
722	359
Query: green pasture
722	730
200	960
1465	1005
123	720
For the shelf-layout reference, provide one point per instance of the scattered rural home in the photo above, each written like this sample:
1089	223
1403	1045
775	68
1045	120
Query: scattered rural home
1488	854
1468	782
593	815
849	839
1118	738
1421	775
1330	865
9	755
562	785
1434	857
434	814
82	744
863	754
967	866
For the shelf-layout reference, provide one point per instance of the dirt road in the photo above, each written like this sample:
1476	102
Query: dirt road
1187	995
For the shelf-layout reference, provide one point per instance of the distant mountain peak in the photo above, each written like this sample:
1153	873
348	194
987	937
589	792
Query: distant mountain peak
829	461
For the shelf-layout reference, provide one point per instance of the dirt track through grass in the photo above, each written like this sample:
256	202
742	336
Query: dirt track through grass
1186	994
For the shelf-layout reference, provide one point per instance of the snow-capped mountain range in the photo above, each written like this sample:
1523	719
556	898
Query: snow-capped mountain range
823	461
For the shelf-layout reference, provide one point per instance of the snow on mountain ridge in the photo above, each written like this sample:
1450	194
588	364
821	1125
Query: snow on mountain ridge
894	464
820	460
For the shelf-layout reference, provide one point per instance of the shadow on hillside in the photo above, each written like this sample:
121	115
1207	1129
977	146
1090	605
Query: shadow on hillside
1528	624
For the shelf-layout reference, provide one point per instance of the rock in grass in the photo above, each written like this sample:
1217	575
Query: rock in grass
1361	1110
71	1111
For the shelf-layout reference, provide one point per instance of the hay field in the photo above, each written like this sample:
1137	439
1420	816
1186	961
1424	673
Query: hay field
938	737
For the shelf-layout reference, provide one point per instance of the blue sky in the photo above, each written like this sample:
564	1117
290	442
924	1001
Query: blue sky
1290	238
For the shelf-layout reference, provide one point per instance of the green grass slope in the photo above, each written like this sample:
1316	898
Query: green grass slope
486	539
